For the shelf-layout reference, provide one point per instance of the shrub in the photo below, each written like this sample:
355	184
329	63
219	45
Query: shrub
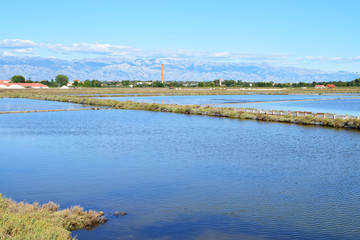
32	221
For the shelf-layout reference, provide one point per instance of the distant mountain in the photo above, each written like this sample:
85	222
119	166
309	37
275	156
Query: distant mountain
107	68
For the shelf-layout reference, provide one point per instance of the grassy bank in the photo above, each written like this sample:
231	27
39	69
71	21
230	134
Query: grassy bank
33	221
188	109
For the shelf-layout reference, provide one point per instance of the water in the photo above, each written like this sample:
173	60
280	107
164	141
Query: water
23	104
341	106
186	177
218	99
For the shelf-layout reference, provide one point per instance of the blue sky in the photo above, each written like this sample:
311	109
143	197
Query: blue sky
311	34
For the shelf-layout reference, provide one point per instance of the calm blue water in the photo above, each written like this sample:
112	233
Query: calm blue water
186	177
218	99
341	106
23	104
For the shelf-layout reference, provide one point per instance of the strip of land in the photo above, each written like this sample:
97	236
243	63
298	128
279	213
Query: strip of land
235	113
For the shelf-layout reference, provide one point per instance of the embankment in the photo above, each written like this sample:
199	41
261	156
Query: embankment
192	109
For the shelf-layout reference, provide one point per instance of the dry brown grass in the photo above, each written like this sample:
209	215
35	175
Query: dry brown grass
34	221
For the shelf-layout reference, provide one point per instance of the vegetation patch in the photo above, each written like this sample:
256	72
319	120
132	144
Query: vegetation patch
34	221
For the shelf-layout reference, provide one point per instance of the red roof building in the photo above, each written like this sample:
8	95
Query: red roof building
22	85
330	86
319	86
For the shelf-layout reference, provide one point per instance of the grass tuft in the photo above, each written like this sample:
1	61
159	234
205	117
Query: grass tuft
27	221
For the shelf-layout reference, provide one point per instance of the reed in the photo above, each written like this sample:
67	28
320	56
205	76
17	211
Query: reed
34	221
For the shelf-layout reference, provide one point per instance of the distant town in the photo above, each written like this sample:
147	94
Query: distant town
62	81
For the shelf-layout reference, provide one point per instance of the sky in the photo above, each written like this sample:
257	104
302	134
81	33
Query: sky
314	34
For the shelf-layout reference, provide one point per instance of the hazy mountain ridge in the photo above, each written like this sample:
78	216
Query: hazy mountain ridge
38	68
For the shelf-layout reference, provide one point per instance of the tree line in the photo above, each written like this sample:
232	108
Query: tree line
61	80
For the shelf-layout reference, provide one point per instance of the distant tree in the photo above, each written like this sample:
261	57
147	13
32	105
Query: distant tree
201	84
230	83
17	79
158	84
301	84
61	80
211	84
95	83
76	83
87	83
125	83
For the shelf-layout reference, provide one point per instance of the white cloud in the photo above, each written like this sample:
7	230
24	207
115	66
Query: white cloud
96	48
8	53
28	46
323	59
289	63
17	43
13	47
126	51
222	54
24	50
355	58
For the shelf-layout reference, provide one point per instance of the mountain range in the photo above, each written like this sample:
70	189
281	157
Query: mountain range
108	68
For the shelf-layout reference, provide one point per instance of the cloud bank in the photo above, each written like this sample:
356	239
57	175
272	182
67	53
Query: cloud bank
23	47
20	46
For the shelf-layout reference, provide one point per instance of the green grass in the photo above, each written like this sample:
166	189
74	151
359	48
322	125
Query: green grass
27	221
